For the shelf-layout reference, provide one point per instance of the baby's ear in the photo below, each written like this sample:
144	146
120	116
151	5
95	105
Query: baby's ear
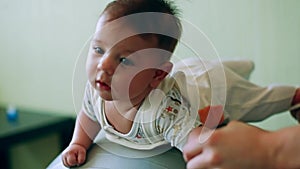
161	73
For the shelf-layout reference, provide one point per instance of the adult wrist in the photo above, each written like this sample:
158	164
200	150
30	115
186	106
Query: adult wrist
272	146
275	143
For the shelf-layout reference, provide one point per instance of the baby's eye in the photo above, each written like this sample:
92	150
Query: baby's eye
126	62
99	50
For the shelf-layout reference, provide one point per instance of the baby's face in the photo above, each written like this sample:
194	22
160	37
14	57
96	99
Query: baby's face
122	65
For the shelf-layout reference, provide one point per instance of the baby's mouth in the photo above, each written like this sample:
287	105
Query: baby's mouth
102	85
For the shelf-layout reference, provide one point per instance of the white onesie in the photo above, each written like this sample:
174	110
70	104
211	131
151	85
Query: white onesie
170	112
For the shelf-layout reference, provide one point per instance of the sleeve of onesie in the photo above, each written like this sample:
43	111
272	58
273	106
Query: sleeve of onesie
89	102
247	101
175	120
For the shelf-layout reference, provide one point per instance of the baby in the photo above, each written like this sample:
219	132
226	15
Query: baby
133	96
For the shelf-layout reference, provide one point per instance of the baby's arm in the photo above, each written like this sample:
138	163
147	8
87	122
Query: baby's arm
84	133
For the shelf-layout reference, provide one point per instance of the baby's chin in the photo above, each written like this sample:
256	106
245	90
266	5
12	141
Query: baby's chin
105	96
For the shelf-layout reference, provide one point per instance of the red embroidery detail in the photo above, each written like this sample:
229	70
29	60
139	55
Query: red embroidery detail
169	109
216	113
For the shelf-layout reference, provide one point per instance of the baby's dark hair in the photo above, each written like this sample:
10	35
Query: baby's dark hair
167	21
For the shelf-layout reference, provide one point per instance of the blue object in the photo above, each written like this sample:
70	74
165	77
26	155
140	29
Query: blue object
11	113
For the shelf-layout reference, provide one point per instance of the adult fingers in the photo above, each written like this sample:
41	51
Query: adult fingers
197	162
206	160
192	147
191	150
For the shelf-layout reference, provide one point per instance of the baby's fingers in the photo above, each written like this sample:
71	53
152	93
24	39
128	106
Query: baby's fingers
70	160
81	157
73	159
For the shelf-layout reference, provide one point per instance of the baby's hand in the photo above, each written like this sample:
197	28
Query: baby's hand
74	155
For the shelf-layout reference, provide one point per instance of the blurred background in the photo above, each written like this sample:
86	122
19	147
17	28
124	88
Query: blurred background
42	53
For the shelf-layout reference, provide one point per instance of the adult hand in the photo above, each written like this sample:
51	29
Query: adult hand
234	146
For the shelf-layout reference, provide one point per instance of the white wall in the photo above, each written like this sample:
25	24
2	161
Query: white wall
266	31
39	44
41	39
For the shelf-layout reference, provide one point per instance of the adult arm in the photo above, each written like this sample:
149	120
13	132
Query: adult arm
240	145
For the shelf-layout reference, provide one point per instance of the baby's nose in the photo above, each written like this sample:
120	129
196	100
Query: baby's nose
107	64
